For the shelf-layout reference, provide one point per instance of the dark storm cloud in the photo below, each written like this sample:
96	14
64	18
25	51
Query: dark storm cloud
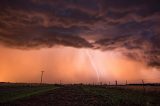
23	25
135	47
42	36
130	24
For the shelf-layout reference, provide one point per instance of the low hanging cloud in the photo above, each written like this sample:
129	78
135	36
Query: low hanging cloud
135	47
133	25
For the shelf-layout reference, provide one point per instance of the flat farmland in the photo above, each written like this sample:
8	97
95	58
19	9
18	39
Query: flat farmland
78	95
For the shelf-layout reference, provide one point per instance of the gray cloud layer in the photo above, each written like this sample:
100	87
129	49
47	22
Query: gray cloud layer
133	25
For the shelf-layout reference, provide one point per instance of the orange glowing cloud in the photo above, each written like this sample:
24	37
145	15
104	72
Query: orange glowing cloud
70	65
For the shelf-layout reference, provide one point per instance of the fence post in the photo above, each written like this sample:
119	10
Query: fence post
143	86
100	83
116	82
60	82
126	82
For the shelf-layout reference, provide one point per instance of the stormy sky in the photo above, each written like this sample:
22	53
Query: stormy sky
127	26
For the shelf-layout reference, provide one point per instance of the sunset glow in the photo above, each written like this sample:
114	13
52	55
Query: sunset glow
79	41
70	65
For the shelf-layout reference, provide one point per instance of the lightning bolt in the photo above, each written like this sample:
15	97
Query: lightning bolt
93	64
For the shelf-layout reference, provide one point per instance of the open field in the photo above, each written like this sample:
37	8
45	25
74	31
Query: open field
12	91
78	95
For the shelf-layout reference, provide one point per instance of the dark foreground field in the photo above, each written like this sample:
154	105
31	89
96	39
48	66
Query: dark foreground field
76	95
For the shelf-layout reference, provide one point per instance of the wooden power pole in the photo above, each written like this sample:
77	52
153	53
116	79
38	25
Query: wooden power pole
42	76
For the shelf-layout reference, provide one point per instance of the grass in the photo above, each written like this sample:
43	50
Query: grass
123	97
85	94
18	91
